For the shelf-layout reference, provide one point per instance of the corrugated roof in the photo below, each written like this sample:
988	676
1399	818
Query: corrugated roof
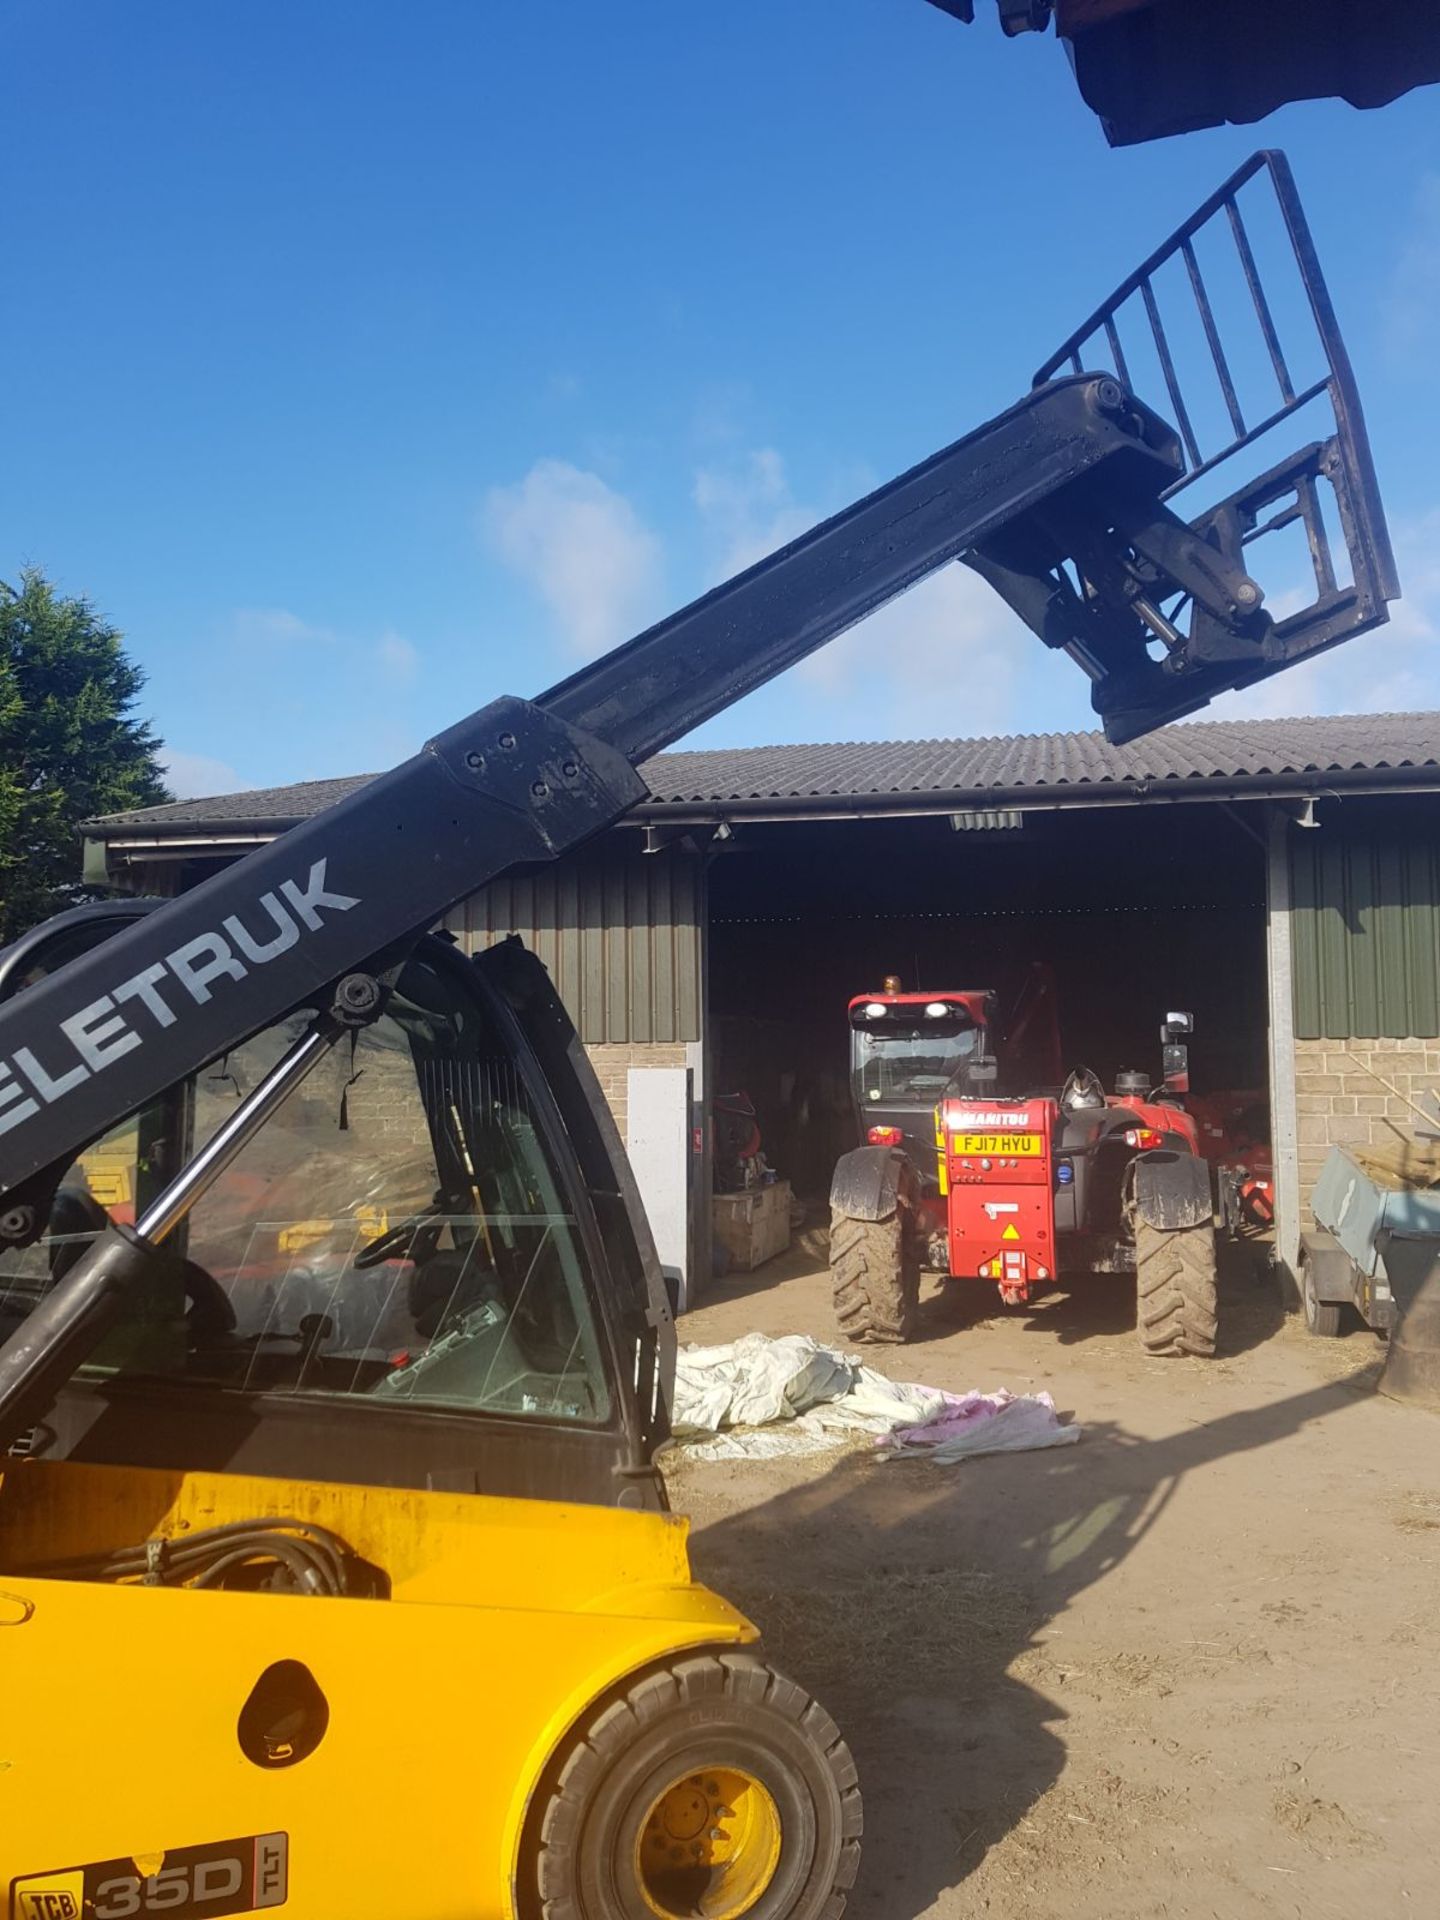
1239	749
746	778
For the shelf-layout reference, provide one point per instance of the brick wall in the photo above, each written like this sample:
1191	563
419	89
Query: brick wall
613	1063
1339	1104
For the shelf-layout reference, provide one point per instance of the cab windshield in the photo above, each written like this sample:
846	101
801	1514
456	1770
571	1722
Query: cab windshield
910	1065
396	1232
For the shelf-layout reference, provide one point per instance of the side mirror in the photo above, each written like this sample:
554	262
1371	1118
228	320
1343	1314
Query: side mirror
983	1073
1175	1059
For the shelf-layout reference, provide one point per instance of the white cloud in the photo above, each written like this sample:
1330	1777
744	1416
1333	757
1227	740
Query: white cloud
1412	311
583	548
748	509
196	776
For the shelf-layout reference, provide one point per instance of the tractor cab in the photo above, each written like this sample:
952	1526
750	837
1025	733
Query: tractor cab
910	1051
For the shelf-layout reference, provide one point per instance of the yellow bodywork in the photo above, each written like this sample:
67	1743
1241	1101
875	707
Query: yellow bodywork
506	1620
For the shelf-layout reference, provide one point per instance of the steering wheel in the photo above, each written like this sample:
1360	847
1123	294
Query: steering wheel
399	1240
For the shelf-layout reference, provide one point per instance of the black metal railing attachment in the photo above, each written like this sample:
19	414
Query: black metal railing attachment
1270	341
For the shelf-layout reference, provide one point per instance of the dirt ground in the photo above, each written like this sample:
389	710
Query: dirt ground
1185	1668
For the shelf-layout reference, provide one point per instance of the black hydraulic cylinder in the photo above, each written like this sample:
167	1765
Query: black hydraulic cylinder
59	1333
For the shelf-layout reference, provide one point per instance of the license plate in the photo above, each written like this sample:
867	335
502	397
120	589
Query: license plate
186	1883
1000	1146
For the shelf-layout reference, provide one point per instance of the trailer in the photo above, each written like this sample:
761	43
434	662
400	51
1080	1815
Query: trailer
1376	1210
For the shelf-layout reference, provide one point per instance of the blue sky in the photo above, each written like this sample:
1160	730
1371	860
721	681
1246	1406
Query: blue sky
364	362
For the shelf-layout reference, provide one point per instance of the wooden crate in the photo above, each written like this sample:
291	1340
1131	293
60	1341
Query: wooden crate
753	1226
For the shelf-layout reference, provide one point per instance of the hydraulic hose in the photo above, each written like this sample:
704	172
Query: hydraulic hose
314	1559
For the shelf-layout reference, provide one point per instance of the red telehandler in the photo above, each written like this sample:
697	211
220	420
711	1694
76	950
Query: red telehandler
974	1170
335	1567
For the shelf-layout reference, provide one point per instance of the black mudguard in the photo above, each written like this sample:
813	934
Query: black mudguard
1171	1190
866	1185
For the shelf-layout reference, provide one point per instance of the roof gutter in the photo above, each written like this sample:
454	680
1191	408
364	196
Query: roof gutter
177	848
255	833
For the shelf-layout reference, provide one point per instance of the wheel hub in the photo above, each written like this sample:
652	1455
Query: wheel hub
708	1846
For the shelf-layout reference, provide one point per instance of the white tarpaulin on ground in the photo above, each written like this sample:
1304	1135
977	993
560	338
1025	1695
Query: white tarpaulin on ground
983	1423
758	1397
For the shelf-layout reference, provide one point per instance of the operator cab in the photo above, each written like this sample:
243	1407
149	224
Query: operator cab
415	1272
908	1052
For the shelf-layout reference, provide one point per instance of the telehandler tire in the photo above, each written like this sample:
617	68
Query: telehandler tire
875	1275
1175	1293
714	1786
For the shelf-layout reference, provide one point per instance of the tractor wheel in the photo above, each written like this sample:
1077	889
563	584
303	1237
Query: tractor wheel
1175	1288
1321	1316
714	1789
875	1274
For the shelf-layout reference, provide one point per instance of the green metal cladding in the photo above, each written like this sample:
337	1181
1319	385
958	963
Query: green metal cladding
1365	934
620	931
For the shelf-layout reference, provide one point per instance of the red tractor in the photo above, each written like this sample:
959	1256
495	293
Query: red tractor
1235	1139
978	1170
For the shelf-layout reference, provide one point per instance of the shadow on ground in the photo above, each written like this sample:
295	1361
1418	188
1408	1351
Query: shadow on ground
905	1594
1089	1307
